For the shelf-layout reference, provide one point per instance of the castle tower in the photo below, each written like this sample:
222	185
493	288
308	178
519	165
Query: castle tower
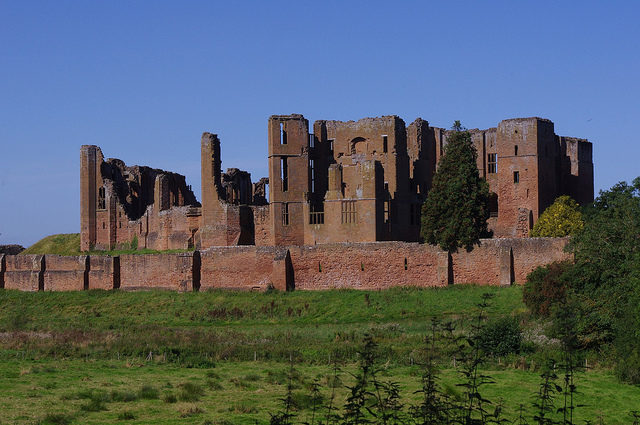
214	217
288	177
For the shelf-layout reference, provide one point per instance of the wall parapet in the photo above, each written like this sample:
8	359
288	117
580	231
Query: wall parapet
368	265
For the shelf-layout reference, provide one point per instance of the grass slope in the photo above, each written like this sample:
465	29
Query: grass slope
62	244
69	244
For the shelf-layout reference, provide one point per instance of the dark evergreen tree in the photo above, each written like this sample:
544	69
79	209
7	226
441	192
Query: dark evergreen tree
456	210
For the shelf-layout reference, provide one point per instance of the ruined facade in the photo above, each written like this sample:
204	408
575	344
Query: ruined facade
361	181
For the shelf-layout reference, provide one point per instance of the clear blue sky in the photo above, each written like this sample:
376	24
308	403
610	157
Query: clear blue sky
144	79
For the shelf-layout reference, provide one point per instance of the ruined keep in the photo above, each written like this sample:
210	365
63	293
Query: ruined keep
355	181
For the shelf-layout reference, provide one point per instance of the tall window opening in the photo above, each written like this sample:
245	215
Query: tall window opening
516	177
492	163
349	213
284	173
285	214
313	175
101	199
330	142
283	134
384	144
515	150
387	211
493	204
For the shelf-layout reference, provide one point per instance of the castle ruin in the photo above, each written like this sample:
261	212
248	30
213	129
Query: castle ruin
362	181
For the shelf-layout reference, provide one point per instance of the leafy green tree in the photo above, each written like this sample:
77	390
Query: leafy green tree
456	210
562	218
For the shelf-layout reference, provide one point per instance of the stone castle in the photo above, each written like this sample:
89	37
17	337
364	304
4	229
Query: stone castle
362	181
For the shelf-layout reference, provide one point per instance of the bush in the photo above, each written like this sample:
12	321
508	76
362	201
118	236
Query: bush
501	336
546	286
562	218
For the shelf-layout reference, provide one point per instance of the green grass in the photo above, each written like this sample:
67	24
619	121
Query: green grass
69	244
165	357
62	244
82	391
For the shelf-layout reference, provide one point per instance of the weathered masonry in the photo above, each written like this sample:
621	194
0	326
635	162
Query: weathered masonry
365	265
355	181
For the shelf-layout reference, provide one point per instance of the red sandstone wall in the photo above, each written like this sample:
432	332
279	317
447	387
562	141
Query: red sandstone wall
374	265
164	271
24	272
241	267
529	253
2	268
64	273
104	272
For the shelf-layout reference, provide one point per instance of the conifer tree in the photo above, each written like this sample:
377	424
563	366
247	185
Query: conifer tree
456	210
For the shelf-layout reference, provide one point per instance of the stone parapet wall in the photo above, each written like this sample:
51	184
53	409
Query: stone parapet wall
24	272
159	271
66	273
375	265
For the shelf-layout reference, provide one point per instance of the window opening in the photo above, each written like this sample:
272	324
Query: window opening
384	144
101	199
516	177
515	150
330	141
493	204
361	266
319	267
284	173
312	140
285	214
387	211
313	175
349	213
406	266
283	134
492	163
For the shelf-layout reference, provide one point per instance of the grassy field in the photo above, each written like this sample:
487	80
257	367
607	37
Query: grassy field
221	357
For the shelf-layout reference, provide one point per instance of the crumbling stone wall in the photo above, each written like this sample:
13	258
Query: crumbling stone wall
353	181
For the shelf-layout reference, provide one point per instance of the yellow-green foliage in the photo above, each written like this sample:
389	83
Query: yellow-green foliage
62	244
562	218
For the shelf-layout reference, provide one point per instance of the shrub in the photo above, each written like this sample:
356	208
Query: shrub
501	336
546	286
562	218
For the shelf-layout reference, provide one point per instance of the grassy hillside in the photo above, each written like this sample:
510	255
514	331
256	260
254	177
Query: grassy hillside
69	244
62	244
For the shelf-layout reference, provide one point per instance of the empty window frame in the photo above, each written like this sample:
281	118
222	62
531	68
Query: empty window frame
385	145
312	171
492	163
284	173
101	199
516	176
283	134
387	211
285	214
515	150
330	144
349	212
